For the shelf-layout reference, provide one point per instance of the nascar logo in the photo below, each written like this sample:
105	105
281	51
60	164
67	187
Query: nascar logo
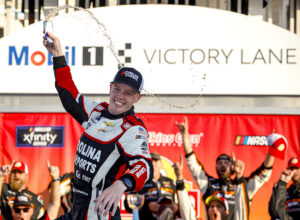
246	140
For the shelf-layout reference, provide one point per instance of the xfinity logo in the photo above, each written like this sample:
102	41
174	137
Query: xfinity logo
42	136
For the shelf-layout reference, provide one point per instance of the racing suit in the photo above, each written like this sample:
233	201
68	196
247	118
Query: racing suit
210	186
109	146
7	201
285	203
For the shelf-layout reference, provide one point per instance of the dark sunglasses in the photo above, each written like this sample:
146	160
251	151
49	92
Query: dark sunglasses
18	210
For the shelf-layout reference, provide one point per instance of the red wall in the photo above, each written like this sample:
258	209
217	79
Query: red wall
212	135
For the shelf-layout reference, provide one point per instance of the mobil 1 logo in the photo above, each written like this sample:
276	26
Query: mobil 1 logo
92	56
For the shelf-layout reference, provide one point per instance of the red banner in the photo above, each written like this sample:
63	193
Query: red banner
36	137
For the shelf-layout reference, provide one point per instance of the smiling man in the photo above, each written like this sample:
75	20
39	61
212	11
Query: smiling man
114	140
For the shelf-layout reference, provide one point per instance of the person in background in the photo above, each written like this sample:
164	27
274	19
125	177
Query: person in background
186	207
284	203
22	207
225	166
160	195
18	177
217	207
66	191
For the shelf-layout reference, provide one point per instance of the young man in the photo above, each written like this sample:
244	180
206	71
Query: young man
226	167
114	141
18	176
285	203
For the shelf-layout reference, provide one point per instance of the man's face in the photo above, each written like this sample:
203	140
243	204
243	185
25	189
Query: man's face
17	180
156	168
121	98
296	177
224	169
216	211
22	212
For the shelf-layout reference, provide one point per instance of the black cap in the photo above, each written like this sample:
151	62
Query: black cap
22	200
224	157
155	156
130	77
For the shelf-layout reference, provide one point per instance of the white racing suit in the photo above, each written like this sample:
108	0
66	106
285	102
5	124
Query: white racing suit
210	186
112	147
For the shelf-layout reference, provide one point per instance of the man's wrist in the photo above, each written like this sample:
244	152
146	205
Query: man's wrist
180	184
127	183
55	179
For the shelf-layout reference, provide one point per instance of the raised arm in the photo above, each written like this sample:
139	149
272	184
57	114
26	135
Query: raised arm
185	204
269	161
4	171
184	131
278	197
54	199
73	102
194	165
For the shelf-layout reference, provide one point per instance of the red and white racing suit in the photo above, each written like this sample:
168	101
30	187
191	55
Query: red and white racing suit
112	147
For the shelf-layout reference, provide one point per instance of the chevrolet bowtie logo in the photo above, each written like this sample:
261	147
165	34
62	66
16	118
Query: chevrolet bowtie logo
102	129
109	124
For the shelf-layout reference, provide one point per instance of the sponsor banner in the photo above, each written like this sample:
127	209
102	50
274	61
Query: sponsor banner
39	136
250	57
210	135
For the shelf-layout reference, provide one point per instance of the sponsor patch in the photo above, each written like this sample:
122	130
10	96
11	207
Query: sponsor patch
99	107
130	74
40	136
144	148
142	131
141	137
127	125
98	117
102	130
109	124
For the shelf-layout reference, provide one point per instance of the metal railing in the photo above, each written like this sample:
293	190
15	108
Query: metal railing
284	13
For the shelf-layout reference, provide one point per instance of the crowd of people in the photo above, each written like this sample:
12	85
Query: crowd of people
117	161
164	198
18	202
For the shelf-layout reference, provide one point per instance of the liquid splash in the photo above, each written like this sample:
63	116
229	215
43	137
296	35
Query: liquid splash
158	98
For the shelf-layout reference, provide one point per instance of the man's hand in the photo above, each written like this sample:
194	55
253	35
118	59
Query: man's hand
184	131
53	170
287	175
153	206
5	169
54	48
174	207
183	126
239	167
178	168
110	198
